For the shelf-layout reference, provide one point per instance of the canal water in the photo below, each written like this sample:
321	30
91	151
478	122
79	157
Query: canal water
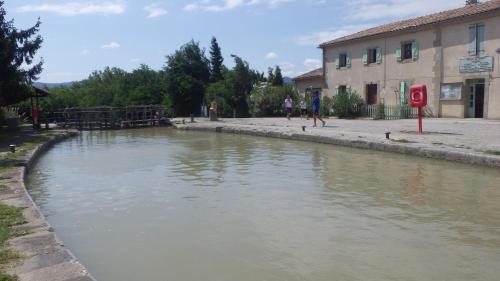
159	205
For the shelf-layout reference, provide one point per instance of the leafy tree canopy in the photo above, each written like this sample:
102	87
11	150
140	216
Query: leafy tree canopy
216	61
18	48
278	77
187	74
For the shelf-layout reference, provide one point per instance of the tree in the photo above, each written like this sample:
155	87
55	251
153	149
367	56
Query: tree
270	75
17	46
144	86
187	74
266	100
278	78
241	83
216	61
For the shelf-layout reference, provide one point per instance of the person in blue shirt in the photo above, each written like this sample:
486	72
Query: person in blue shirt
315	108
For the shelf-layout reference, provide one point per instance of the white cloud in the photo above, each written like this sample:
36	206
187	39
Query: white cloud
155	10
288	68
135	60
85	52
76	8
316	38
271	55
224	5
312	63
397	9
111	45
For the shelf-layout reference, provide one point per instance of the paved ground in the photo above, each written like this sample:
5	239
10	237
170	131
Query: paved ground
476	137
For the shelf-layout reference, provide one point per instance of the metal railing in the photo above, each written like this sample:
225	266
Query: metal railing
391	112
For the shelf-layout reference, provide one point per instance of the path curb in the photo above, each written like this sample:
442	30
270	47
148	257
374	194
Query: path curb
409	149
44	256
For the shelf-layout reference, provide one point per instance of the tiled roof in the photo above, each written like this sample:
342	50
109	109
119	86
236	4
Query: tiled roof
433	19
311	74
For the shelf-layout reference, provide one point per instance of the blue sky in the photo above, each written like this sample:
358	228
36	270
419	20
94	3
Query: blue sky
84	35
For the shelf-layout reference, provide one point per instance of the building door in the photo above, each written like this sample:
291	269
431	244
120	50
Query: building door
476	99
371	94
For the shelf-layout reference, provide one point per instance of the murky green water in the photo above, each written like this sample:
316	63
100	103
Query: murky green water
159	204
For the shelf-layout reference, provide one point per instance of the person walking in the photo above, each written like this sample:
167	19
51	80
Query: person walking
289	107
303	110
316	107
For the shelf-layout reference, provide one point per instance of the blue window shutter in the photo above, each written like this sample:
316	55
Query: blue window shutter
414	50
337	61
398	53
365	57
472	40
348	60
379	55
480	37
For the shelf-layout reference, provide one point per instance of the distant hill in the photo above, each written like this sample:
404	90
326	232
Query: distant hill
287	80
53	85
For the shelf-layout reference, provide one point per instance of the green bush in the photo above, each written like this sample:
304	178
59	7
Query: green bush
379	113
347	105
326	106
266	100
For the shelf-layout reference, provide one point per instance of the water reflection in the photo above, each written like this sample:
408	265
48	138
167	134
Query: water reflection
159	204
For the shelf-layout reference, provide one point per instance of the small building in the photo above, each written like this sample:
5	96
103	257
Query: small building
452	52
310	82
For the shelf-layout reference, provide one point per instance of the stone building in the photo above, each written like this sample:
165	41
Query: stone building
310	82
452	52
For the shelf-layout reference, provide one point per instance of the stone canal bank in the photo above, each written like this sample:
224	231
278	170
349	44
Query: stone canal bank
38	254
471	141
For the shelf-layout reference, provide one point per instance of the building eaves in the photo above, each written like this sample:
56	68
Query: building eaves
317	73
471	10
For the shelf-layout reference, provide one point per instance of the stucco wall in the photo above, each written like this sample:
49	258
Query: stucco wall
440	50
303	84
389	74
455	42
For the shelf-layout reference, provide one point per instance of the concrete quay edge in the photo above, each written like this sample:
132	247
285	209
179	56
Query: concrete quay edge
401	148
44	256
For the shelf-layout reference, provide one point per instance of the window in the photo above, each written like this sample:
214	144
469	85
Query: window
476	42
310	91
343	61
407	54
343	89
372	55
407	51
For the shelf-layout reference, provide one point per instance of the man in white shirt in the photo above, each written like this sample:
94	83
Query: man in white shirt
303	110
289	107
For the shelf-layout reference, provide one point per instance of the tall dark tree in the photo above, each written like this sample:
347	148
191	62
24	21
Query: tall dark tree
187	74
278	77
241	83
270	74
216	61
17	46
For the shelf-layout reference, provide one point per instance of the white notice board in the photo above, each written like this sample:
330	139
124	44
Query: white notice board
451	91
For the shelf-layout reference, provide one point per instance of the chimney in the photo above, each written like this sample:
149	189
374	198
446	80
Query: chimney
470	2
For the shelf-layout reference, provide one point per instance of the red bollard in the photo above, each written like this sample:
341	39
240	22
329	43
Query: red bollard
418	98
420	130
